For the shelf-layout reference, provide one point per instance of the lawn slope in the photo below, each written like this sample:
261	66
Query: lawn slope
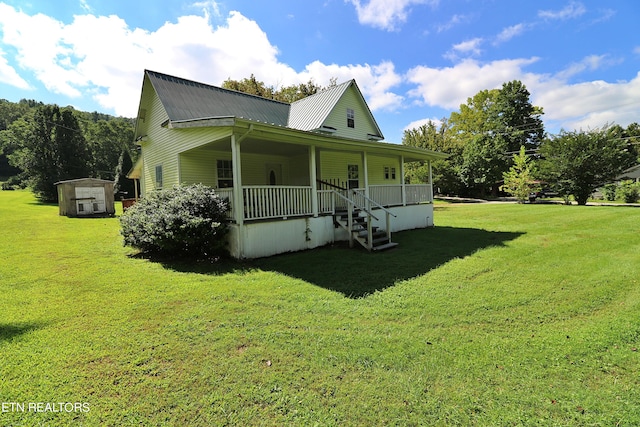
503	314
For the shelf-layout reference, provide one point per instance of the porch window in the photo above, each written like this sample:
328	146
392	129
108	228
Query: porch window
389	173
225	173
351	116
158	176
353	176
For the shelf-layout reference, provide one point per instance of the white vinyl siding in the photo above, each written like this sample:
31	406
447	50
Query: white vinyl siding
199	167
338	120
163	145
334	166
376	168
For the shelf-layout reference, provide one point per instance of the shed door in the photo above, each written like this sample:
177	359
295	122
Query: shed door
90	200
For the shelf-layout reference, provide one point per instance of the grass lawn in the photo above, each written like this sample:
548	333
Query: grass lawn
502	315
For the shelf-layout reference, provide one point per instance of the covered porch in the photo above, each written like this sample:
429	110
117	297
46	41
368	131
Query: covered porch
285	188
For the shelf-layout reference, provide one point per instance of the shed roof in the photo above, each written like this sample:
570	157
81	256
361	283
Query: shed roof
80	180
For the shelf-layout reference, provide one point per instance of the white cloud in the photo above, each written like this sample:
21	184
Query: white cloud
509	33
589	104
451	86
417	123
572	10
566	105
77	60
454	21
375	81
466	48
9	75
386	14
589	63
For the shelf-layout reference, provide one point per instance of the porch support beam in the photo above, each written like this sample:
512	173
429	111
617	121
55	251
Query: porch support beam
404	192
365	171
313	178
238	206
430	180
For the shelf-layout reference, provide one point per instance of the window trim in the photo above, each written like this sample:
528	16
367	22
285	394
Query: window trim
159	177
351	118
224	165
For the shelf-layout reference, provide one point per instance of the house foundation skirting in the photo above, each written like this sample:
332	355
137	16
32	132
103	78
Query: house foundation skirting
266	238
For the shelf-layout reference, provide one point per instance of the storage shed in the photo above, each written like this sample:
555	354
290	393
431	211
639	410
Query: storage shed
86	197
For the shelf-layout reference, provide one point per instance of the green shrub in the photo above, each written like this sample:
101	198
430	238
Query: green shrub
185	221
629	191
610	192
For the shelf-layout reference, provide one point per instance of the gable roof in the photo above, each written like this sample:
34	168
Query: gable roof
311	112
186	100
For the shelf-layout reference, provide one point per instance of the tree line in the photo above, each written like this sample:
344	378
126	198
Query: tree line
497	130
41	144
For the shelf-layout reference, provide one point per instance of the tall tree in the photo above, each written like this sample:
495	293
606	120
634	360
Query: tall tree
53	150
515	119
489	126
432	136
576	163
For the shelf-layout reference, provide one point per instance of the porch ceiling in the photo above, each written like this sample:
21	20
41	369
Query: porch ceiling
257	146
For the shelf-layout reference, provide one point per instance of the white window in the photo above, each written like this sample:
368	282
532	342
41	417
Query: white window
351	116
159	176
353	176
225	173
390	173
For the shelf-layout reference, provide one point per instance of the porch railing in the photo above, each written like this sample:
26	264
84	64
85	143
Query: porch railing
386	195
418	193
264	202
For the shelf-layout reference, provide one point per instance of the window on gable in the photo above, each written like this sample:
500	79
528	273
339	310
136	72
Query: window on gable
159	176
225	173
351	115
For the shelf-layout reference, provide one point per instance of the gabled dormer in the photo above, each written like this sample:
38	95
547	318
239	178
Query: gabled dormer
340	111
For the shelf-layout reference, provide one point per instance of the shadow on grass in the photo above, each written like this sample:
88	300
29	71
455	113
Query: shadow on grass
356	273
8	332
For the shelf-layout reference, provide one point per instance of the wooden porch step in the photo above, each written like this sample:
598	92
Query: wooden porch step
385	246
381	239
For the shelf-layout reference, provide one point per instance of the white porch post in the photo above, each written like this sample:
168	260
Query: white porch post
238	202
404	192
313	179
365	171
430	180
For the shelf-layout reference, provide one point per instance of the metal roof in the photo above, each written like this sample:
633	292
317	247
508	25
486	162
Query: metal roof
309	113
186	100
189	100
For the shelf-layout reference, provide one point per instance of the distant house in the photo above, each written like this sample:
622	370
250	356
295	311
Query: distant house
633	173
298	175
85	197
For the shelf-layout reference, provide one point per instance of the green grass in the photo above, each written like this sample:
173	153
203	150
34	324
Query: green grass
503	314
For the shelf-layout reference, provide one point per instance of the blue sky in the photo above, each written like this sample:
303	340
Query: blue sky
414	60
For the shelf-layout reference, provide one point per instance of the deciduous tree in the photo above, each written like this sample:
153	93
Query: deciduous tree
577	163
